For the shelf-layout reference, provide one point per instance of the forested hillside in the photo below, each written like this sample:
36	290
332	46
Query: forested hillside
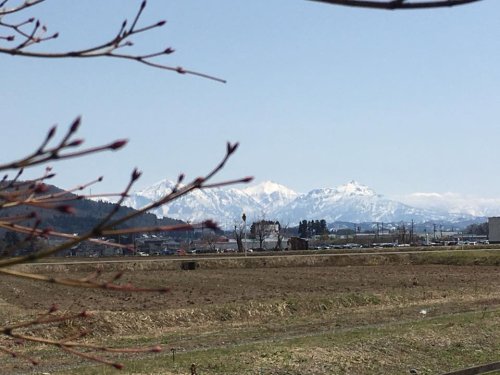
82	215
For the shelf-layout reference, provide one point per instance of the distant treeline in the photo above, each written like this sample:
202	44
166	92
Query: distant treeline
88	214
479	229
310	228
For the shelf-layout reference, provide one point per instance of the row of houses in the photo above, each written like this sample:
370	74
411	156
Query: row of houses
163	246
157	245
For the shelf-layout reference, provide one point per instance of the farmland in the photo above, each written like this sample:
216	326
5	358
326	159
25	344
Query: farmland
363	314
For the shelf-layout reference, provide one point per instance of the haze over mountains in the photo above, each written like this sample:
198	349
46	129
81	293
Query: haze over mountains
352	202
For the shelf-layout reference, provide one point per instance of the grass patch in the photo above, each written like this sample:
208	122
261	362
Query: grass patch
459	258
430	346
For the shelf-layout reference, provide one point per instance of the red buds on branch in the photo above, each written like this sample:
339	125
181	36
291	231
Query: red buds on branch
118	144
30	34
36	195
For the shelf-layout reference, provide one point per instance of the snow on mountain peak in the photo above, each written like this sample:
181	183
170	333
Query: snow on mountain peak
269	187
354	188
349	202
271	195
157	190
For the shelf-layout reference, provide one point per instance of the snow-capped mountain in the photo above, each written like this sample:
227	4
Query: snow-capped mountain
222	205
271	196
351	202
454	203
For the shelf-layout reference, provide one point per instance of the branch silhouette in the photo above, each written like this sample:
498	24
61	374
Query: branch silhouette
35	196
22	35
398	4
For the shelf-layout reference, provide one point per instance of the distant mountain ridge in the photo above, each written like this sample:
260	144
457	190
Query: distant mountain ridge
351	202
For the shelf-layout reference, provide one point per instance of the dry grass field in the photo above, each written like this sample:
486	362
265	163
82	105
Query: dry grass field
370	314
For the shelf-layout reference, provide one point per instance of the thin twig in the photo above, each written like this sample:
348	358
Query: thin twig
108	48
398	4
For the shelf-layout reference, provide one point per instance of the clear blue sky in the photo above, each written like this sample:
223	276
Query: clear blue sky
317	95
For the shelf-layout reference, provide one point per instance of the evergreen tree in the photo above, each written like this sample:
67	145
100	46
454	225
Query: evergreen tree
478	229
322	227
303	232
310	228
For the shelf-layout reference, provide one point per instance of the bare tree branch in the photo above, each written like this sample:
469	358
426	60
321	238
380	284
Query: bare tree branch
68	344
34	194
81	283
20	7
398	4
32	31
44	154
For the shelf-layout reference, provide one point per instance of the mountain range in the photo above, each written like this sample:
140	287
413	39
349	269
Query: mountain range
351	202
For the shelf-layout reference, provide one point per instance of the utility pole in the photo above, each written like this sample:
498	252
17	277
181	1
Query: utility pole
244	218
411	233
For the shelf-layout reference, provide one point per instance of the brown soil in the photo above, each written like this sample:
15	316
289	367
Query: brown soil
254	303
221	286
